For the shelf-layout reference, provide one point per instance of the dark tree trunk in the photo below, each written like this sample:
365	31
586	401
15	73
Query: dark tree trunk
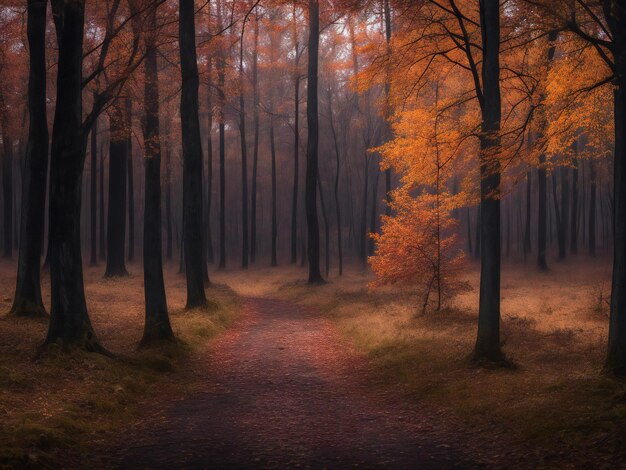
574	217
168	202
221	78
116	219
488	340
337	172
27	301
542	208
478	237
296	171
103	252
274	213
374	214
527	236
245	242
313	236
209	190
7	179
592	208
157	323
131	187
469	231
389	134
255	152
192	159
564	212
326	229
616	357
93	193
69	320
363	234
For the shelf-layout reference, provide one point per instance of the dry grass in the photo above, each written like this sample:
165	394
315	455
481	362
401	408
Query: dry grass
557	405
54	407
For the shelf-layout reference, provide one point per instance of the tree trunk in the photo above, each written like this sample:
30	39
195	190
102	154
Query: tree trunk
168	202
93	193
616	357
255	152
245	245
488	340
131	187
388	131
337	170
296	171
326	230
157	323
374	214
574	213
192	158
527	236
27	300
7	179
102	230
221	78
313	235
592	208
542	221
209	196
69	320
274	213
363	234
116	220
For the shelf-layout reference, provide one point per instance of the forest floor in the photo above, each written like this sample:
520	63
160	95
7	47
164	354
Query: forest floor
57	409
556	408
327	376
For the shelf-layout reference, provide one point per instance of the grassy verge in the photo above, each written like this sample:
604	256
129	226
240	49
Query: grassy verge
556	408
57	408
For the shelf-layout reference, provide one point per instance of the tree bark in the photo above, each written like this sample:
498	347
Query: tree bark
255	151
102	230
245	234
27	300
93	195
69	320
274	258
527	232
209	196
542	208
157	322
168	203
116	219
488	339
7	179
221	78
592	208
574	214
192	158
313	236
131	186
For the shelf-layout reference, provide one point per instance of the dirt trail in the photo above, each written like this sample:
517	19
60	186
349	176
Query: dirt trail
283	390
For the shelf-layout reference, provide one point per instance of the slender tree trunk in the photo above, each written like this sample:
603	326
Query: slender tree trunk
131	187
313	237
221	78
168	202
69	320
116	223
527	231
363	234
388	132
27	300
477	244
574	216
157	324
565	203
374	214
337	171
542	220
245	234
192	159
326	229
592	208
209	190
488	340
102	229
274	211
255	152
7	179
469	231
296	172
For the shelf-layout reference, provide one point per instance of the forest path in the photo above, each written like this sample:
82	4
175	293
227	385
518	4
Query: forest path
281	389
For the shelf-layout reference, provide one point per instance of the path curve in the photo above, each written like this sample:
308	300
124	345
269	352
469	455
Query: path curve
281	389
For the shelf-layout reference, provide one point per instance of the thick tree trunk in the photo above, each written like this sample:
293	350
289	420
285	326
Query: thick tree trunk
116	219
27	300
157	323
488	340
192	159
69	320
616	357
313	235
131	187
